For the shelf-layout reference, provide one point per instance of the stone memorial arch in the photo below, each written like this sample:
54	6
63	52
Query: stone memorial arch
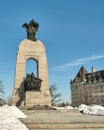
31	48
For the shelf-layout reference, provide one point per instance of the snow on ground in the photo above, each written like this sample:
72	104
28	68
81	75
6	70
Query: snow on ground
9	115
64	108
91	110
9	118
14	111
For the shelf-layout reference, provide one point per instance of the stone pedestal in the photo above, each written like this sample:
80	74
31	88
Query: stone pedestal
31	50
33	98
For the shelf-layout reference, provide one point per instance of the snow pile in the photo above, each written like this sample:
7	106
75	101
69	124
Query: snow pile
82	107
92	109
8	118
64	108
14	111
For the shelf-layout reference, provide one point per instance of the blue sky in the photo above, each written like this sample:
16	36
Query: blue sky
71	30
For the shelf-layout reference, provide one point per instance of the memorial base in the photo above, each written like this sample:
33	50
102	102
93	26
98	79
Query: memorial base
33	98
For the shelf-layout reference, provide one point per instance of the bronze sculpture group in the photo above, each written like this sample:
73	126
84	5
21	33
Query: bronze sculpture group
31	83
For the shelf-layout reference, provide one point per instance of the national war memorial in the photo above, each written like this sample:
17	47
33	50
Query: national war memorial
31	90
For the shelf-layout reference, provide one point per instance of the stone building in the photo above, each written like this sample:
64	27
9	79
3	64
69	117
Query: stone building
88	88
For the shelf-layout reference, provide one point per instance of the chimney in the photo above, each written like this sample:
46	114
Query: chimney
93	69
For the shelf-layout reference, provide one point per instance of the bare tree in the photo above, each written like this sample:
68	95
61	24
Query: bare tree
1	88
9	100
55	97
2	101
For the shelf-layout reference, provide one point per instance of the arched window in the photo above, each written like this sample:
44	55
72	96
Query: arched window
32	67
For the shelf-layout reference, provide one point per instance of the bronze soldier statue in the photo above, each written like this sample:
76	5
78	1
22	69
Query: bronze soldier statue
31	29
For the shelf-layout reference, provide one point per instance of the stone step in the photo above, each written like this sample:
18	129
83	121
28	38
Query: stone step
54	124
64	126
62	120
51	112
58	122
74	129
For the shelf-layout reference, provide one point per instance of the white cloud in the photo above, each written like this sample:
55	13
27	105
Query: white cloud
78	62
